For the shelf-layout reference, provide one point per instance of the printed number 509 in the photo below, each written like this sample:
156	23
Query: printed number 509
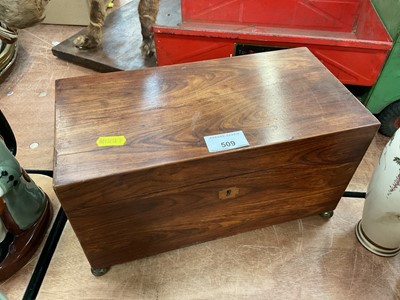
228	144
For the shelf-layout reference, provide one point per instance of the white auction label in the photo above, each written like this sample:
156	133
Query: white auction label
226	141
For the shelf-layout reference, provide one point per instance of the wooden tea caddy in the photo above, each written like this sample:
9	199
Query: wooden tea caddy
135	177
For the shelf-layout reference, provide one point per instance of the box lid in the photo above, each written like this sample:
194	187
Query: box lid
164	113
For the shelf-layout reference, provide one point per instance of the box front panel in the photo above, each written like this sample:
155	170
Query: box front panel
115	226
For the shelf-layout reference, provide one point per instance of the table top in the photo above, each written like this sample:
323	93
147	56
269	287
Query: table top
164	113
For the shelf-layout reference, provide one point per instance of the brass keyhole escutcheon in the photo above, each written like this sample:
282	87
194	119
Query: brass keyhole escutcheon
228	193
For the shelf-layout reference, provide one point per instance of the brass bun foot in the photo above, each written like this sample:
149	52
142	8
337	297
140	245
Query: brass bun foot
99	272
25	244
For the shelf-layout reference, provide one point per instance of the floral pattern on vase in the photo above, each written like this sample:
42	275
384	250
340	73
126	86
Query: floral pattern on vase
379	228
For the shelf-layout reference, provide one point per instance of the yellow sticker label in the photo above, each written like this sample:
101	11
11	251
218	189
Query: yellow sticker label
110	141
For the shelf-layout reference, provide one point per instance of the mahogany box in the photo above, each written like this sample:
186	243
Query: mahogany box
135	176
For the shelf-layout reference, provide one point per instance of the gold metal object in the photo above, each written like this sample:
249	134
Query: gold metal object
228	193
8	54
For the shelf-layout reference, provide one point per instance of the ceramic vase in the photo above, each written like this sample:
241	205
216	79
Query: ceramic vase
379	229
25	215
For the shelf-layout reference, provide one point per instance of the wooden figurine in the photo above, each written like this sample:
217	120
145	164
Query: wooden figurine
25	213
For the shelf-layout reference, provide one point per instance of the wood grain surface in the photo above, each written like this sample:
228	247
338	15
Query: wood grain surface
159	191
164	113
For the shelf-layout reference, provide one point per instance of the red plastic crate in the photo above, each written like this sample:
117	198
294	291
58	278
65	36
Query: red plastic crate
347	36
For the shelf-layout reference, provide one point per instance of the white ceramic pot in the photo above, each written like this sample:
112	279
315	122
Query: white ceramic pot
379	228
